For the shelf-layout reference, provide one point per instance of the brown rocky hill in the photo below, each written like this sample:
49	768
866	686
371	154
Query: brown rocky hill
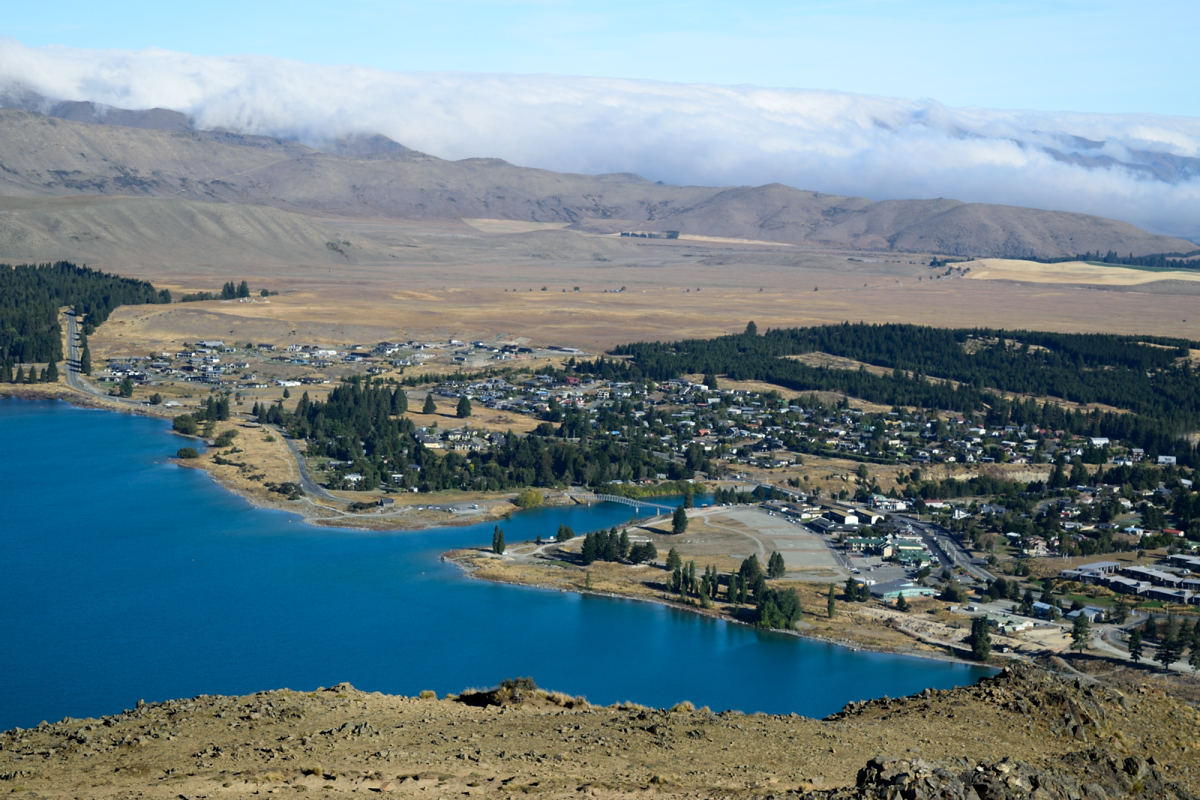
373	177
1023	734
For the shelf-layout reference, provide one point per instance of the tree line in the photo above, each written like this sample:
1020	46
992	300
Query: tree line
31	296
1160	260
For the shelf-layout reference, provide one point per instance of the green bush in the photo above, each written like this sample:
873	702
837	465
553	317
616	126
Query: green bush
226	438
530	498
187	452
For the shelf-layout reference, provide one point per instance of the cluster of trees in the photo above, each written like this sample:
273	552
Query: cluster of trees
857	591
611	545
760	494
779	608
30	297
498	545
360	423
216	409
1173	638
48	374
229	291
1160	260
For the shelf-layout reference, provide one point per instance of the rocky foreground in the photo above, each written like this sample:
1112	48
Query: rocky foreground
1024	733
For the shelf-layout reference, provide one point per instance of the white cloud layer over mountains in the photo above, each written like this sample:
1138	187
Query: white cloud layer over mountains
1141	168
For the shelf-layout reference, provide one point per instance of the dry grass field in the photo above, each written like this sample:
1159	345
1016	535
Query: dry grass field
1072	273
564	288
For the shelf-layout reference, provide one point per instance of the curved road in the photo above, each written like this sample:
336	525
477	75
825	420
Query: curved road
310	486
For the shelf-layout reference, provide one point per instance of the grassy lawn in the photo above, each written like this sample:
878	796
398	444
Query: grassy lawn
1090	601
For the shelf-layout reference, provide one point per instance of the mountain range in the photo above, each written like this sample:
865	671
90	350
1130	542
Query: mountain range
82	150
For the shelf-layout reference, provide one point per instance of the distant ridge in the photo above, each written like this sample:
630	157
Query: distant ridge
82	151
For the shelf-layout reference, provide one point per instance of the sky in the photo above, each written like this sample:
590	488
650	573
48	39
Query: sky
981	102
1049	55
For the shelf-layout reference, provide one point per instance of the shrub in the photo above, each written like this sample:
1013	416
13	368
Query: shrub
187	452
429	694
185	424
226	438
530	498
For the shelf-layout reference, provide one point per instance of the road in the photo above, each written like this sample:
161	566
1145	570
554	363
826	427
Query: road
74	379
948	550
310	487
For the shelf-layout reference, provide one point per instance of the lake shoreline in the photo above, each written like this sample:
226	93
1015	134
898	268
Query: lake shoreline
312	512
467	560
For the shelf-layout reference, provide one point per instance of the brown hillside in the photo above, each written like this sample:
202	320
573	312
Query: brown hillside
373	177
1025	733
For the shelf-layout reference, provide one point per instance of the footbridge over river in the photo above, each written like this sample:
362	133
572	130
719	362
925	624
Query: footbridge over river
637	503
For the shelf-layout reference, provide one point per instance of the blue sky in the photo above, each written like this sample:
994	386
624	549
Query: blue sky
1049	56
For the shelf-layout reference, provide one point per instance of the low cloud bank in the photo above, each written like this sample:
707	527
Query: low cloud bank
1144	169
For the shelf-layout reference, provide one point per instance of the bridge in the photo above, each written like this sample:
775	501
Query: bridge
637	504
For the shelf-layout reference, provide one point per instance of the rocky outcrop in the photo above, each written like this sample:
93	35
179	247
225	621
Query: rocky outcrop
1093	775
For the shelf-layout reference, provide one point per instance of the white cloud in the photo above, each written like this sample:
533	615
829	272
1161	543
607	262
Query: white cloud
690	134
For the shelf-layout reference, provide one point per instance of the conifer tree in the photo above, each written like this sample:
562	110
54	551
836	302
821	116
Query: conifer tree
673	559
20	375
498	540
1081	633
464	407
589	549
831	604
399	401
679	521
85	359
51	373
981	639
1135	645
430	407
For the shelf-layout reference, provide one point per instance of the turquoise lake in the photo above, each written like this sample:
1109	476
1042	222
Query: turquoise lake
125	577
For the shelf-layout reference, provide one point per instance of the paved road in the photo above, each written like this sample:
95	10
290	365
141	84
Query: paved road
310	486
74	379
948	549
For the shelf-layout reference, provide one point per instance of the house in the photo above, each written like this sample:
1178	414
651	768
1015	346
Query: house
1166	461
1042	609
429	440
1090	613
384	502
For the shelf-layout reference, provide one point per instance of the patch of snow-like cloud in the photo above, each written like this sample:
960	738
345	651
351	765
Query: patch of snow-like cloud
1141	168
